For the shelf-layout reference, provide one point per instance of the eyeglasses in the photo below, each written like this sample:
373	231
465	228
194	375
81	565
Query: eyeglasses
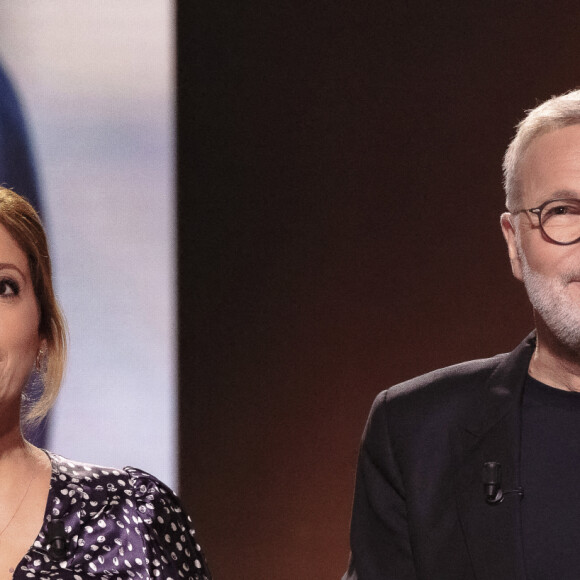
559	220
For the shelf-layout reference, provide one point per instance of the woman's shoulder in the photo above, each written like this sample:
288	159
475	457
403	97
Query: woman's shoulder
82	472
130	487
106	509
91	478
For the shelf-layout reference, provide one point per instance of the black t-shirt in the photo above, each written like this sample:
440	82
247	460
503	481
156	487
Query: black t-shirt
550	472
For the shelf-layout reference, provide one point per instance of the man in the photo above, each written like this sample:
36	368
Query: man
473	471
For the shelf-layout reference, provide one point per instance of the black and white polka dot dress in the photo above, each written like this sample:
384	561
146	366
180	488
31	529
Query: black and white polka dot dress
111	523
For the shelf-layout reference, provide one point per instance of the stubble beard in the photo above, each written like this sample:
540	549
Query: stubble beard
551	300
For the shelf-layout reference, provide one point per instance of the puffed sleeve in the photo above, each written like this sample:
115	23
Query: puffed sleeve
169	536
380	544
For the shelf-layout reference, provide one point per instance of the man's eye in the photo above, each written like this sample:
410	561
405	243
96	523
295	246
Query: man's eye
562	209
8	287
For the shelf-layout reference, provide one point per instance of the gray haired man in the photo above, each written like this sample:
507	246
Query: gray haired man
470	472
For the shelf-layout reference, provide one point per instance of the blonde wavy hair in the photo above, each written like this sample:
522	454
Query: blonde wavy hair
24	225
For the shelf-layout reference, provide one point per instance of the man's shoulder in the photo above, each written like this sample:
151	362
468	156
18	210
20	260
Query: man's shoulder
446	389
425	407
462	375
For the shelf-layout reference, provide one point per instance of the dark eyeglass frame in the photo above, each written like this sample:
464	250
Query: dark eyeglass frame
538	211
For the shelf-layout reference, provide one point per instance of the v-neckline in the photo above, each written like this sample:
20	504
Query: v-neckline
41	536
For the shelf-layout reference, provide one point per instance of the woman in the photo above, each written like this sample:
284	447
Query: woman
61	519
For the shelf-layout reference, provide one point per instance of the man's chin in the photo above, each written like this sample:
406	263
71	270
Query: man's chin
556	304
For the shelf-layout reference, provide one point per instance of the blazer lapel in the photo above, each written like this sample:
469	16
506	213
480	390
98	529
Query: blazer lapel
493	532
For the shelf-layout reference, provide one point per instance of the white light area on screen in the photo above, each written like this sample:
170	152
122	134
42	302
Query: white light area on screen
96	81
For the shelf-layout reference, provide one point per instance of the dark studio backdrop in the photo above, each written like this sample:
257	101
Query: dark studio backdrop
339	200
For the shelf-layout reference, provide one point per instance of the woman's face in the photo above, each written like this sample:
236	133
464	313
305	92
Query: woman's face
19	320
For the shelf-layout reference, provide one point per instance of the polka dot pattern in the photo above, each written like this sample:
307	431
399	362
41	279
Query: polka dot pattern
119	524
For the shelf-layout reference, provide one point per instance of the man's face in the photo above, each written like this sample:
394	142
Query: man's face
550	169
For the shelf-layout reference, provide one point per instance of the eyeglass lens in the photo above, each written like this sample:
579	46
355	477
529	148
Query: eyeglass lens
560	220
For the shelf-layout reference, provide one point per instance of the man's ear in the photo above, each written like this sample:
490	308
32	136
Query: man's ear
509	233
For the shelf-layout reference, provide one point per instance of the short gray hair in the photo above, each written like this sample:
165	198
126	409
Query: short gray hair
555	113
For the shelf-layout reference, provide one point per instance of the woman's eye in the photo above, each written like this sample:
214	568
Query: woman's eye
8	288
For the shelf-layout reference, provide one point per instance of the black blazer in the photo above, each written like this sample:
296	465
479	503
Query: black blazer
419	508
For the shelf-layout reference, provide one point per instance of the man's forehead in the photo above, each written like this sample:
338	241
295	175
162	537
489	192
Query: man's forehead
550	168
563	193
556	138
